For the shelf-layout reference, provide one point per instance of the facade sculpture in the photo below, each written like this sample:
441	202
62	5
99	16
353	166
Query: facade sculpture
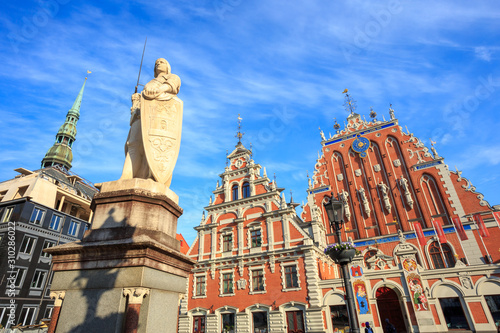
385	197
403	182
155	128
364	200
344	197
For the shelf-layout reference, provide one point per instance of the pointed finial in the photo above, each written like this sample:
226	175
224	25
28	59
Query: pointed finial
227	160
210	201
203	217
264	172
251	147
239	135
349	104
407	131
218	183
291	196
275	178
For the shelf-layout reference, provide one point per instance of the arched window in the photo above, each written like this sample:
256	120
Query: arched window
246	190
235	192
437	255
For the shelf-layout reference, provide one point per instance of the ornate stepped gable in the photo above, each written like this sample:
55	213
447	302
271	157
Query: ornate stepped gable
249	228
400	181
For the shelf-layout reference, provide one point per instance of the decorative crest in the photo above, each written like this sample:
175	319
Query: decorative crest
373	114
349	104
239	135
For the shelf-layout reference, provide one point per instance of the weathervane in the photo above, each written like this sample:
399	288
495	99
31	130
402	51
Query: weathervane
239	135
336	125
349	104
373	114
88	72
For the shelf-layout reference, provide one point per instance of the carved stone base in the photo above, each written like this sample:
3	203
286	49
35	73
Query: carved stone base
130	247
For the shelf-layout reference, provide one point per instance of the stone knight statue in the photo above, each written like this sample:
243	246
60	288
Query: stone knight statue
385	197
155	128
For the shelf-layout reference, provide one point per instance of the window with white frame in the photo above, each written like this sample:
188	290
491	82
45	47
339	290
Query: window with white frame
226	283
37	216
4	315
257	280
27	315
38	279
28	244
20	273
200	285
48	312
254	236
73	228
47	245
290	276
7	214
226	239
55	222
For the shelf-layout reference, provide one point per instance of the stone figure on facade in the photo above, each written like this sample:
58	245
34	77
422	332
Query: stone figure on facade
322	134
153	141
344	197
364	200
384	189
403	182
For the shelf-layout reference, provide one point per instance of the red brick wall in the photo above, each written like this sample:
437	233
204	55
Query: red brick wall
435	314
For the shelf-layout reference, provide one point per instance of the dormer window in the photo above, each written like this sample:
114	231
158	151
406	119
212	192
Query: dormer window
234	192
246	190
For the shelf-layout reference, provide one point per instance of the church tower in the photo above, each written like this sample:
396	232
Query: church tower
60	153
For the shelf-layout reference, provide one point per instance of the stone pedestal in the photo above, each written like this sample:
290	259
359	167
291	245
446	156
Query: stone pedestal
127	273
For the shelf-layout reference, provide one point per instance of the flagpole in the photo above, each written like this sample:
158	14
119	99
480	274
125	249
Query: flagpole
460	241
420	247
482	241
439	242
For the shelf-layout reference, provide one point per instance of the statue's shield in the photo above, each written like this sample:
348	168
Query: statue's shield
161	124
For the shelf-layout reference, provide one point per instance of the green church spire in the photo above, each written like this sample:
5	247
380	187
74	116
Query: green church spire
60	153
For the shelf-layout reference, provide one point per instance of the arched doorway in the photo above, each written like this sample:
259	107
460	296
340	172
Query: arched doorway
389	307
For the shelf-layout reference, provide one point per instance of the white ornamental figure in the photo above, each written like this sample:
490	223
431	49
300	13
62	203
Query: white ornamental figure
404	185
154	138
385	197
364	200
344	197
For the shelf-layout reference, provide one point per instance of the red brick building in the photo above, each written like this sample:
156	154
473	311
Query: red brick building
428	259
392	187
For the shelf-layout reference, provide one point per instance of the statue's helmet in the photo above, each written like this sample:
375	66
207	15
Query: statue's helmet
159	64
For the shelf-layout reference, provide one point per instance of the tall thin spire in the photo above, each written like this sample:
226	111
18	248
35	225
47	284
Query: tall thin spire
60	153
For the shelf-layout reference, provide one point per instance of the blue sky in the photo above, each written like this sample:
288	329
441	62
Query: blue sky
282	65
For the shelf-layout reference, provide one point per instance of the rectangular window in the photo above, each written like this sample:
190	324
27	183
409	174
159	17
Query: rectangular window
256	239
47	245
228	323
27	314
4	315
340	320
200	286
291	280
27	245
295	321
493	302
258	280
55	222
453	313
20	274
38	279
37	216
48	312
7	214
73	228
259	321
227	283
227	242
198	324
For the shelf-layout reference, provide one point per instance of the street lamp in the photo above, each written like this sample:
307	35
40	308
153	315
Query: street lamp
335	211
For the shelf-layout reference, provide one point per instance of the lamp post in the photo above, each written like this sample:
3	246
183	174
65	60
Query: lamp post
335	211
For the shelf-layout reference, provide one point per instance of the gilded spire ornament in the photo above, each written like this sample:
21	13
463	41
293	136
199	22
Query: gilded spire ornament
239	135
349	103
